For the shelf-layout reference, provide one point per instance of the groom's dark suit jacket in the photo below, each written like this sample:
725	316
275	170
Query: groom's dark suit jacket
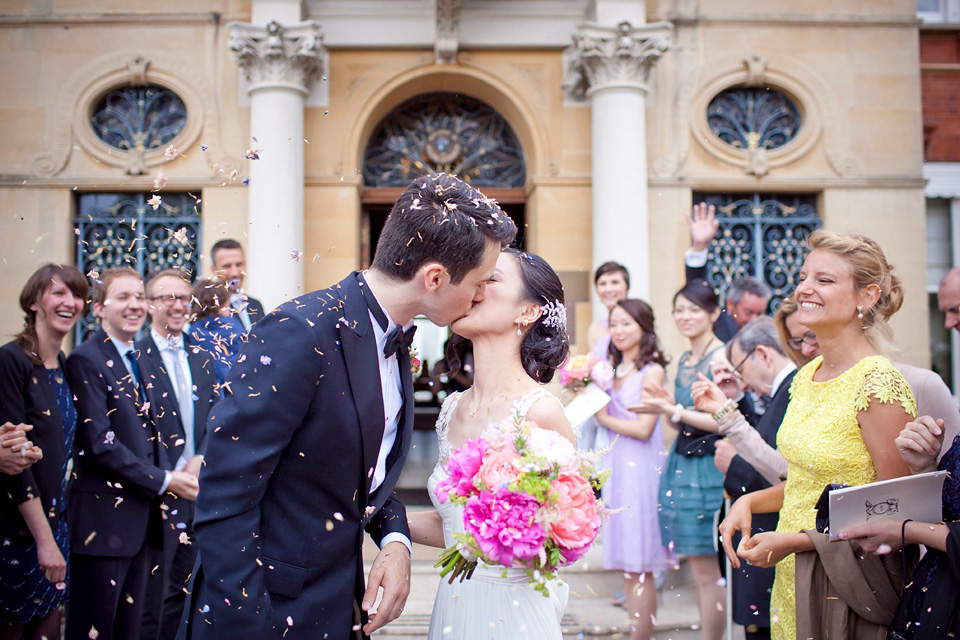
284	492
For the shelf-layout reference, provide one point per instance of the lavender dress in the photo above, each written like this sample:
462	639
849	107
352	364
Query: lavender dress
631	538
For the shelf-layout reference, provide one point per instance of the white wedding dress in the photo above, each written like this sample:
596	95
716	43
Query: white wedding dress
488	605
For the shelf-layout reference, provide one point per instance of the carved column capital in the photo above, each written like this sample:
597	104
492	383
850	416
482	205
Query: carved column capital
277	56
621	56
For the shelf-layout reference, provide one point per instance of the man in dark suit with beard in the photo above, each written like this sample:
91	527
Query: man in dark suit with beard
304	451
183	386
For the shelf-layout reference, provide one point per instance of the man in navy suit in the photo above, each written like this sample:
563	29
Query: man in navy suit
765	369
121	470
304	451
183	384
230	266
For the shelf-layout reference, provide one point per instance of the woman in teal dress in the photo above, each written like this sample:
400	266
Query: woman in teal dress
691	487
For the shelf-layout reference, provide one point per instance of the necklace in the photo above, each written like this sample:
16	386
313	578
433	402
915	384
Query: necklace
623	371
705	349
493	397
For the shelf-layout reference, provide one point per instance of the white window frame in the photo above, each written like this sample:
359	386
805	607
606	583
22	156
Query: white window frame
943	181
948	13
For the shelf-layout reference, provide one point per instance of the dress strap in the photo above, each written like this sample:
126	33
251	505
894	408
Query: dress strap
443	424
523	404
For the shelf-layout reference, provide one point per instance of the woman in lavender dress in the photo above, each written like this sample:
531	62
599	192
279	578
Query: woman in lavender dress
631	539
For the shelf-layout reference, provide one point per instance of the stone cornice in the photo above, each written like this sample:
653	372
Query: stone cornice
621	56
276	56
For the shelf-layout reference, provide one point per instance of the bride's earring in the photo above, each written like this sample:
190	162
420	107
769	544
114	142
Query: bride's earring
519	333
860	311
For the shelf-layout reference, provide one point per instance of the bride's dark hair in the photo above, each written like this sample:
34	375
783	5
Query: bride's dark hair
545	344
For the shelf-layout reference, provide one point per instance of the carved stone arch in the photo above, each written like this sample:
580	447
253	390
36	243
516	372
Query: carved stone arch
754	71
475	83
70	121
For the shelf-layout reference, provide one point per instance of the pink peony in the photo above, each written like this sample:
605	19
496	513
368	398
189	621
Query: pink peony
576	523
499	469
504	526
461	468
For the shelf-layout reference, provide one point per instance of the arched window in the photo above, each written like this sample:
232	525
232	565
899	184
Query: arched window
138	117
444	132
754	117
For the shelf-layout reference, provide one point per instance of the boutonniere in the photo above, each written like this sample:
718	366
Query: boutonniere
416	366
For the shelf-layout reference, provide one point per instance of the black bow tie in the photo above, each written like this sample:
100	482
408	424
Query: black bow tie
398	339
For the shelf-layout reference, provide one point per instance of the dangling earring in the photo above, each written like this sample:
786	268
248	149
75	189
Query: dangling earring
860	311
519	333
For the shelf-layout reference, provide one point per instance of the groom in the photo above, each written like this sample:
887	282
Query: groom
305	449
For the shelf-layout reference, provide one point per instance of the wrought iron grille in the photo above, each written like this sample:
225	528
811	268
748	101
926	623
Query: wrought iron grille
139	117
761	235
122	229
754	117
445	132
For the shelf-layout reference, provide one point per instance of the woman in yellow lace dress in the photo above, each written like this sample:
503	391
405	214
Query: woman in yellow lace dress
847	406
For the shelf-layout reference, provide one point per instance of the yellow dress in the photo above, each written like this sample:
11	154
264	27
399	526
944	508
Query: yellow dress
820	438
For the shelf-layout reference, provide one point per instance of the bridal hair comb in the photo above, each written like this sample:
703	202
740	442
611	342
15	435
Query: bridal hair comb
555	315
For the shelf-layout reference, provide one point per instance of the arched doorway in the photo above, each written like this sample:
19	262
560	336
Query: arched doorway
440	132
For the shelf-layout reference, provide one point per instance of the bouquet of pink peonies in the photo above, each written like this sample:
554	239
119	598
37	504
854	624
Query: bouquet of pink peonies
528	502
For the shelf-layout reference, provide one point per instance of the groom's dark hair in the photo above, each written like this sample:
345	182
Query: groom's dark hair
440	218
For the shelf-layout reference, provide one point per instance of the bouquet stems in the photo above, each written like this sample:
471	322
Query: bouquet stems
453	563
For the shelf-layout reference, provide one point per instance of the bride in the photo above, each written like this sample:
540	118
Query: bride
519	338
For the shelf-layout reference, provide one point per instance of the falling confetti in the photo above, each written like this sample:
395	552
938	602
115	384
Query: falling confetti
296	254
252	154
94	634
154	202
204	147
160	181
265	360
170	153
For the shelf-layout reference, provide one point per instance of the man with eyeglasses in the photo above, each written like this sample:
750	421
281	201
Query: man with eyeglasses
184	383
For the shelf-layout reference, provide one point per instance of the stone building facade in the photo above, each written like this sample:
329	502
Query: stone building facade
617	110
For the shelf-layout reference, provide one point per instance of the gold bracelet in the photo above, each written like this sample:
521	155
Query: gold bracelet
728	407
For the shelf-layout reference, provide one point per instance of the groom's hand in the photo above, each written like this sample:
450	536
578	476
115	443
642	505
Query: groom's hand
391	570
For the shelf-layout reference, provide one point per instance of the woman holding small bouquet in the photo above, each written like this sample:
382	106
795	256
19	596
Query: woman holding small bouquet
519	338
631	540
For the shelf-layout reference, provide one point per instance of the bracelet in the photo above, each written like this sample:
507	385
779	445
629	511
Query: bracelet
728	407
903	548
675	418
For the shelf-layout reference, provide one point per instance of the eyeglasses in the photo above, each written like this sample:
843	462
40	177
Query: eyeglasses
737	369
809	338
169	299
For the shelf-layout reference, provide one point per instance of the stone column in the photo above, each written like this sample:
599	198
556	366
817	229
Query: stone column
279	64
611	66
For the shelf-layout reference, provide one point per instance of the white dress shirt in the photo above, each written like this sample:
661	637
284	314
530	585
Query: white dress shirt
175	358
238	302
123	348
391	388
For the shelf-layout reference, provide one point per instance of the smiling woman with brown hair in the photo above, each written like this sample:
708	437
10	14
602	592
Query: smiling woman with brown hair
34	391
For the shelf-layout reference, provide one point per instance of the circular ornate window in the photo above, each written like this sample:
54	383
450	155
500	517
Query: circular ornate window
139	118
446	132
754	117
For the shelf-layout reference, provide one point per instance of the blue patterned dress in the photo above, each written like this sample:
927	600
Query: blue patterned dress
25	592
